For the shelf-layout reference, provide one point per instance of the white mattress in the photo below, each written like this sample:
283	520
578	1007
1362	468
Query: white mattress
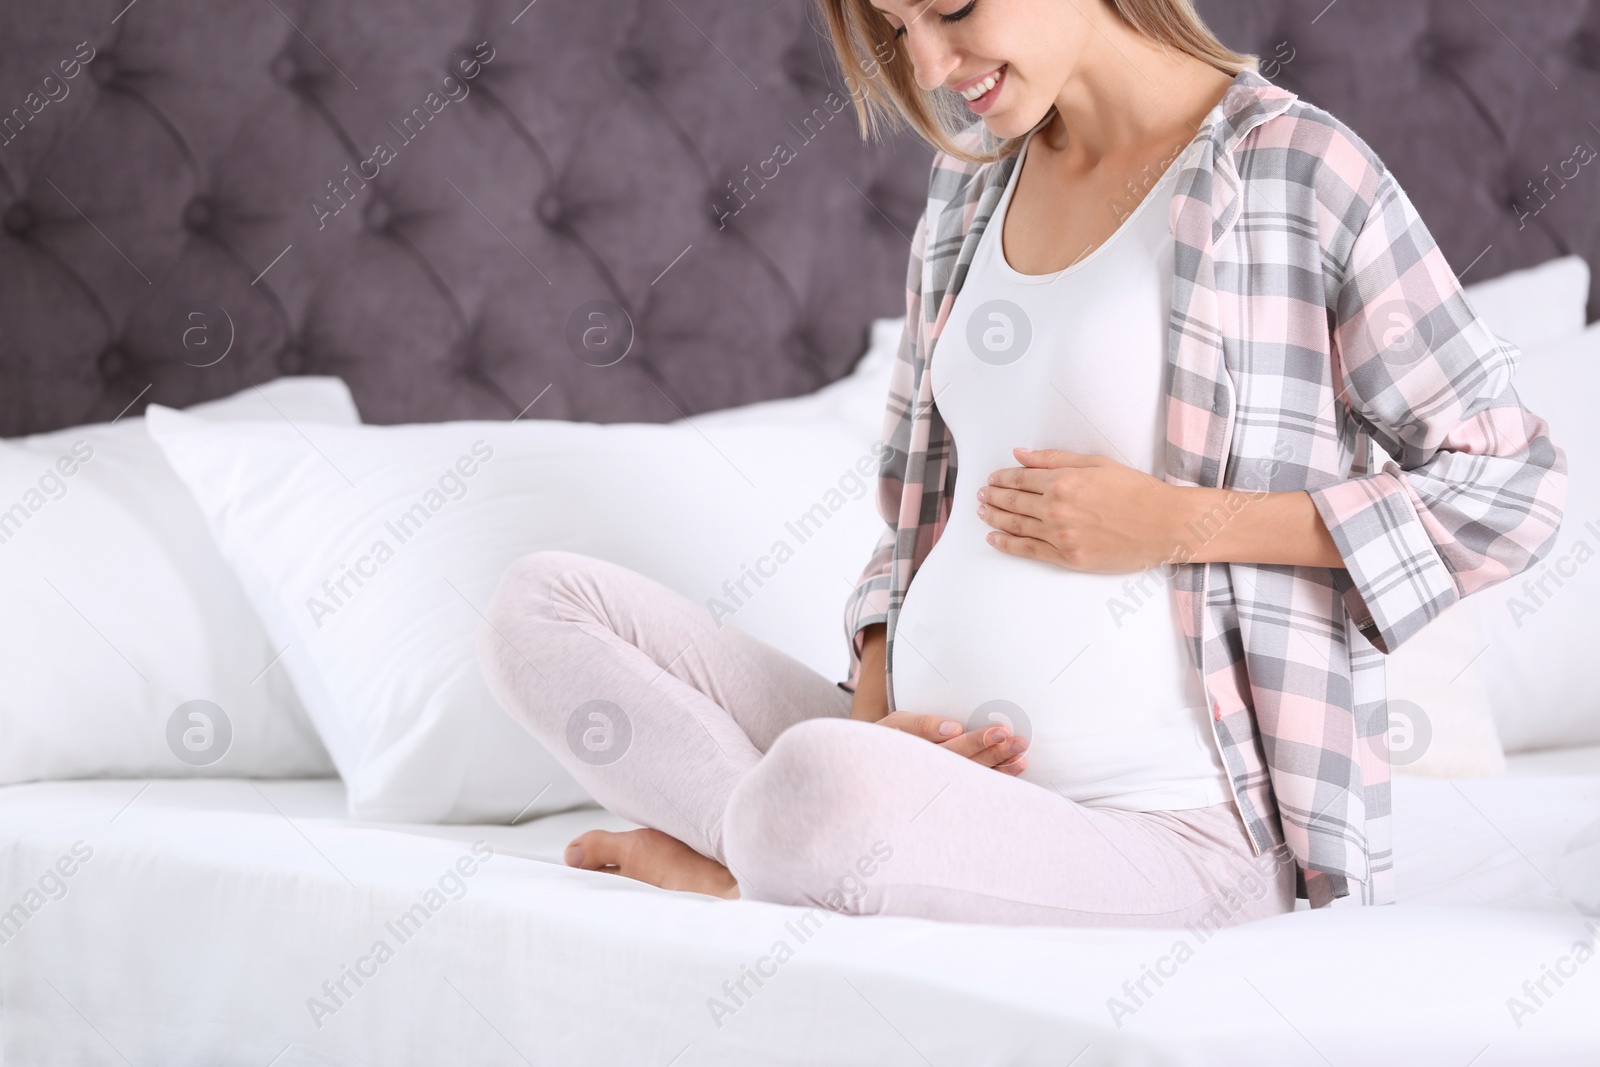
211	912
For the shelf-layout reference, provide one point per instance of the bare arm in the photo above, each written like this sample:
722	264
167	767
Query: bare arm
1226	526
871	701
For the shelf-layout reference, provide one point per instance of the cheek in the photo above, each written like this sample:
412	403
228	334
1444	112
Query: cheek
1043	58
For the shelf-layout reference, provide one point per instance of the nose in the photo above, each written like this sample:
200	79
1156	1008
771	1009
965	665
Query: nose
931	60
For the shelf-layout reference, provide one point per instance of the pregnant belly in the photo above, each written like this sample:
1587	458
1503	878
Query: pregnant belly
1091	667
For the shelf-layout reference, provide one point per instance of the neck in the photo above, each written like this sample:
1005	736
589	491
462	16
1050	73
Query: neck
1127	92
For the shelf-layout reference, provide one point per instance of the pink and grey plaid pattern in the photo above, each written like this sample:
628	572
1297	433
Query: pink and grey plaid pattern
1316	328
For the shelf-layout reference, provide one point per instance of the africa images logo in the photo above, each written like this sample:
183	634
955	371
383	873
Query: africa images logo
199	733
999	332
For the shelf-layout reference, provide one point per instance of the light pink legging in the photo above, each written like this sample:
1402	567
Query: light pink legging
749	756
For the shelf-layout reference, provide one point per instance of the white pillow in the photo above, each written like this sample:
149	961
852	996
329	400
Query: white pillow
1541	625
388	669
1535	306
120	611
1440	722
857	400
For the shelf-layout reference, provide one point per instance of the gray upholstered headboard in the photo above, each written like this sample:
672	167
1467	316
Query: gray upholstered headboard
179	176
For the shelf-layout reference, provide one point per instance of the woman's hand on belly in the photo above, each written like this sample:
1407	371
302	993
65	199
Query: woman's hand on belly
993	746
1091	513
1082	512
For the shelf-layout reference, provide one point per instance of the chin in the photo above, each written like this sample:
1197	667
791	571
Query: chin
1012	121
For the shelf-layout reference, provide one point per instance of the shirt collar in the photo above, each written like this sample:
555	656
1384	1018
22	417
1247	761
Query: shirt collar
1249	101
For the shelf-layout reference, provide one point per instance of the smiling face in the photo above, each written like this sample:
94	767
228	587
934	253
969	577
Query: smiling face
1012	56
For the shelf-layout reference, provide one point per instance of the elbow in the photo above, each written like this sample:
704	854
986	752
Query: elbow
1531	523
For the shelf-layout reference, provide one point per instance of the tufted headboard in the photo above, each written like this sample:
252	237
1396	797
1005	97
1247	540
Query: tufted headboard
629	210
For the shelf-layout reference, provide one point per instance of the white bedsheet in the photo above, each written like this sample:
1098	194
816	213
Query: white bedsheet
211	912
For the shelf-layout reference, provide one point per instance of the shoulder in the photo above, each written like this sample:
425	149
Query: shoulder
1307	147
1323	171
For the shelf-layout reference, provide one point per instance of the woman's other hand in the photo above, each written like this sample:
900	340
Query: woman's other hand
1082	512
992	745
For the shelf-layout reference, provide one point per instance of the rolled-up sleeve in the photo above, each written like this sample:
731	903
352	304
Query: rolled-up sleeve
1471	489
869	600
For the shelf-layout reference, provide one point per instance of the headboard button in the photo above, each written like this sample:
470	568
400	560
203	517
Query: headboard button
378	215
20	219
284	68
1585	49
633	65
104	68
1432	52
551	210
112	362
726	204
291	360
198	214
798	347
798	68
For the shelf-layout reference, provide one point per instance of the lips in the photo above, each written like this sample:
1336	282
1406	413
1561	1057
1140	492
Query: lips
981	93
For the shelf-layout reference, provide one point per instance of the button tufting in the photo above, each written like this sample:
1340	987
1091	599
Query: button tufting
1510	193
467	357
464	62
798	67
725	206
198	213
378	215
797	346
112	362
551	210
291	360
20	219
104	68
729	187
634	65
1585	49
1433	51
284	68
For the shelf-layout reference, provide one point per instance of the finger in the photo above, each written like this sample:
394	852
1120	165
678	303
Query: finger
1027	547
973	742
935	727
929	727
1020	501
1004	752
988	746
1012	522
1013	766
1055	457
1012	763
1028	479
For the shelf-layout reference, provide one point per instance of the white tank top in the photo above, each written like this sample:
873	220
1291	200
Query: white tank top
1091	667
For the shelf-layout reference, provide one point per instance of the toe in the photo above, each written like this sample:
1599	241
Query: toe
591	851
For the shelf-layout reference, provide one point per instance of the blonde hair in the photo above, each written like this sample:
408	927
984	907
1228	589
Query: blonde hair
886	89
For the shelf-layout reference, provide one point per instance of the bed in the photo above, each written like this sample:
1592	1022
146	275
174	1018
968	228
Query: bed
242	909
163	914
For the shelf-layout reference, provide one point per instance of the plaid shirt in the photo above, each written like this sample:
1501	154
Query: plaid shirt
1313	318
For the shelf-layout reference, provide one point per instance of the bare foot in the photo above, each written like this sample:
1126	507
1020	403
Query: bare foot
653	857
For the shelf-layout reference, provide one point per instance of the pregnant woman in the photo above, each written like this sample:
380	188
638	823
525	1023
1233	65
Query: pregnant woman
1228	433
